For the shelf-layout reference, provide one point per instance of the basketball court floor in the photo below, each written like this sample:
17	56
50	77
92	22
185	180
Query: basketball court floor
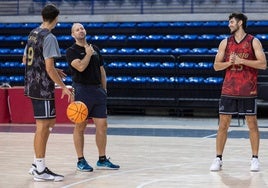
153	152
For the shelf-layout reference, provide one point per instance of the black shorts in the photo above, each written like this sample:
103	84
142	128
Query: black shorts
241	106
44	109
94	96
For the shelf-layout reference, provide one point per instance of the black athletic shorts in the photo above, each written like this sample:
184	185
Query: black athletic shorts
241	106
94	96
44	109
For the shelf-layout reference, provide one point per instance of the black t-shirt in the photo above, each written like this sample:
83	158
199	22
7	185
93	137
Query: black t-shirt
91	75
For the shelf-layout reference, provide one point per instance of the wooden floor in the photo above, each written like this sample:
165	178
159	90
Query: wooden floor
161	158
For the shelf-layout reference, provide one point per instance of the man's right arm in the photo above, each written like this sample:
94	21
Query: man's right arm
219	63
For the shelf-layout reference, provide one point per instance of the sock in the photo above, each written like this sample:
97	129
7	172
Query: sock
220	156
81	158
255	156
40	164
102	158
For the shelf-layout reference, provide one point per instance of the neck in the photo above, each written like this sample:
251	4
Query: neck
81	42
239	35
46	25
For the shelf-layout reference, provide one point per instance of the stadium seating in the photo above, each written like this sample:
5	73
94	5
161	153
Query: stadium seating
148	64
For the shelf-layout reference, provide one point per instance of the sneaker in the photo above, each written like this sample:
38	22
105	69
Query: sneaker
255	165
47	175
107	165
216	164
83	166
32	169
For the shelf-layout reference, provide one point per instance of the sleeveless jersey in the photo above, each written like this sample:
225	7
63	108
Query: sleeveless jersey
38	84
240	80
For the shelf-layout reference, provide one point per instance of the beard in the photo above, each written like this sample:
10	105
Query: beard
234	30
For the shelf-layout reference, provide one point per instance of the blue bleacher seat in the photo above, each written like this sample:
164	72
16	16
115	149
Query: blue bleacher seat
151	65
64	25
161	24
127	51
65	38
262	36
109	50
213	51
134	64
145	50
128	24
154	37
145	24
111	25
171	37
99	37
167	65
187	65
14	25
117	64
137	37
189	37
4	50
180	51
211	23
199	51
177	24
162	51
93	25
117	37
213	80
261	23
30	25
207	37
205	65
194	24
197	80
178	79
221	37
13	38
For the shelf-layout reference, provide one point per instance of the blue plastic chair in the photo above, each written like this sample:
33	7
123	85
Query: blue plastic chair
199	51
181	51
145	51
128	24
162	51
13	38
137	37
207	37
145	24
4	51
109	50
189	37
171	37
127	51
99	37
111	25
165	65
154	37
262	36
118	37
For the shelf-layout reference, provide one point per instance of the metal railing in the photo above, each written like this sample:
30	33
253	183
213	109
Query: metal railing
102	7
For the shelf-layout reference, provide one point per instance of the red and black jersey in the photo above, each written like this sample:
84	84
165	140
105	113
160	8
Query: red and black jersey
240	80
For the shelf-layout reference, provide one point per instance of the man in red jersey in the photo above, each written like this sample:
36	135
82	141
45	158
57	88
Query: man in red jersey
240	55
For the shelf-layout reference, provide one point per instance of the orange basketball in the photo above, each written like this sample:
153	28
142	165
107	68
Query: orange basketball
77	112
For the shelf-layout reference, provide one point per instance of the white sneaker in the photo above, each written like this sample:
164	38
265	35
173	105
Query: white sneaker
255	165
47	175
216	164
32	169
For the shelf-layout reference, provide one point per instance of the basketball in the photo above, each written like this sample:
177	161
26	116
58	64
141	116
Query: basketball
77	112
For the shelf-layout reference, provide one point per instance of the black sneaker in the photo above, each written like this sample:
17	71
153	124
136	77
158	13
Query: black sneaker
47	175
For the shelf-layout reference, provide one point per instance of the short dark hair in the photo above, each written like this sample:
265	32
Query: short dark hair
50	12
240	16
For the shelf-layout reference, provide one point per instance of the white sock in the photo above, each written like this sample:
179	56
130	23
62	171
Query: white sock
40	164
